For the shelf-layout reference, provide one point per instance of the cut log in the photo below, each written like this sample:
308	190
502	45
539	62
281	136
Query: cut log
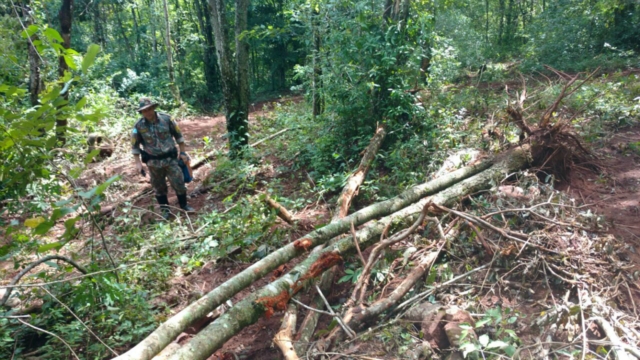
350	190
249	310
308	326
281	211
284	337
168	331
200	162
361	318
357	178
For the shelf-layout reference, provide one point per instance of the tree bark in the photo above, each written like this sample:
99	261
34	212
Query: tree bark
310	321
98	29
350	190
136	29
36	85
284	337
235	75
316	82
66	16
152	21
168	331
167	39
211	73
247	311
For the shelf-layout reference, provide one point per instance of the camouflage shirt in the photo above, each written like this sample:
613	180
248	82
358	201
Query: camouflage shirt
157	137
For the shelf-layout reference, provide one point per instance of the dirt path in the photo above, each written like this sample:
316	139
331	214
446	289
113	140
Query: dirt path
615	193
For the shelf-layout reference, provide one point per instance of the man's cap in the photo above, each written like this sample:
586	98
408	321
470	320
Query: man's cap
146	103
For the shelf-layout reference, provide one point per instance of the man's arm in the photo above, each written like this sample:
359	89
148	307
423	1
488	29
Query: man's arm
135	150
177	134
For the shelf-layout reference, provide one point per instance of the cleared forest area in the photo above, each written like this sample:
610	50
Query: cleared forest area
372	180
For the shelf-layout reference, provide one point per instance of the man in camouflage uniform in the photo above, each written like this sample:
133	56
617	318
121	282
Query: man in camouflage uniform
156	133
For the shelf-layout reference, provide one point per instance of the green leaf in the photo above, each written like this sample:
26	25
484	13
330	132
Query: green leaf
53	35
497	344
511	333
43	228
82	102
91	156
484	339
70	229
4	250
510	350
90	57
574	310
32	29
468	348
56	245
482	322
34	222
61	212
75	172
63	202
98	190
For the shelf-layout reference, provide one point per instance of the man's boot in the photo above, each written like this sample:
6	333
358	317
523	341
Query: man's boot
164	206
182	200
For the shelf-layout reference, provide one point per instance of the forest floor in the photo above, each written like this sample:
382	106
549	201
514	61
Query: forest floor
614	193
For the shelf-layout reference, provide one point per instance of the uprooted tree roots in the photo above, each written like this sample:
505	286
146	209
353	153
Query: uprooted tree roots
555	148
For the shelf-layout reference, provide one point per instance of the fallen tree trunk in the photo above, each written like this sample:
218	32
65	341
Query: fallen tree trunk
200	162
356	179
359	319
278	293
168	331
350	190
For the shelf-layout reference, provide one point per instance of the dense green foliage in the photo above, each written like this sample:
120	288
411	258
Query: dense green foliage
429	71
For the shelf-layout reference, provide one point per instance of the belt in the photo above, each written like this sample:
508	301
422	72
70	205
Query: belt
146	156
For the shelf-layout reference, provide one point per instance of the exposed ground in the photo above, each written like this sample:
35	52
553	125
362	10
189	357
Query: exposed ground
615	194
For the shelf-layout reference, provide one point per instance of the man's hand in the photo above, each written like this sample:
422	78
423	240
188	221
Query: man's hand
140	169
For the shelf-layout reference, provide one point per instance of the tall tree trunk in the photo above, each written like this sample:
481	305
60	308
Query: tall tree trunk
152	22
211	73
501	27
235	79
486	26
177	39
512	21
316	82
136	28
167	39
98	29
35	61
242	69
65	15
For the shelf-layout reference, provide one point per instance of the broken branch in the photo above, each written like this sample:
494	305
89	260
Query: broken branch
33	265
283	339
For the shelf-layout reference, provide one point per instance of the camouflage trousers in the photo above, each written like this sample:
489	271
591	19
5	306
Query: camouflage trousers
160	170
